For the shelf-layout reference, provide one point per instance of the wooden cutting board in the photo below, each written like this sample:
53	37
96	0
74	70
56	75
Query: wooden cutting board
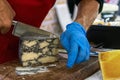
60	72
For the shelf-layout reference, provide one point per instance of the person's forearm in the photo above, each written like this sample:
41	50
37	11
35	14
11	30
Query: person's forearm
87	12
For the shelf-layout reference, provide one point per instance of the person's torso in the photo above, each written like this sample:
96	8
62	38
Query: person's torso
32	11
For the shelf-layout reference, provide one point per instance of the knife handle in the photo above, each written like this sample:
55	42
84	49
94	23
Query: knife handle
14	22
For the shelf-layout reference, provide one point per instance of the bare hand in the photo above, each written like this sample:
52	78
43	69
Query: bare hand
6	16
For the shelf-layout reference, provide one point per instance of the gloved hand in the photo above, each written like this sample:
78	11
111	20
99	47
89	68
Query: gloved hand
75	42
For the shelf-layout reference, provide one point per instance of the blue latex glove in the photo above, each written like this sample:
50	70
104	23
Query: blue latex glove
75	42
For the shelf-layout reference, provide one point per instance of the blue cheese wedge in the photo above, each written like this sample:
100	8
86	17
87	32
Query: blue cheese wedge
38	50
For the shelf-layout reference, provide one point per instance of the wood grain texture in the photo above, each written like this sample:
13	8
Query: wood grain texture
60	72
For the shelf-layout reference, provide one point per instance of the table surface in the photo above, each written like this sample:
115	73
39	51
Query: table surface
60	72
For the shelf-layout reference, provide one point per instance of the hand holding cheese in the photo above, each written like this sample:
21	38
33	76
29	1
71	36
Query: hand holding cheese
6	16
74	38
75	42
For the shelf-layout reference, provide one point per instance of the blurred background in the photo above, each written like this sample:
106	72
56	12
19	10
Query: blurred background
64	11
105	29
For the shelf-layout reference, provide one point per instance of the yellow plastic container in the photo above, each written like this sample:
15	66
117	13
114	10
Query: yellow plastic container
110	64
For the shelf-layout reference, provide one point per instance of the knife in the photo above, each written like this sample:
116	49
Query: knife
21	28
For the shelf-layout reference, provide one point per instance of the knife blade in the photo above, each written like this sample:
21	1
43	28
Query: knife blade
21	28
